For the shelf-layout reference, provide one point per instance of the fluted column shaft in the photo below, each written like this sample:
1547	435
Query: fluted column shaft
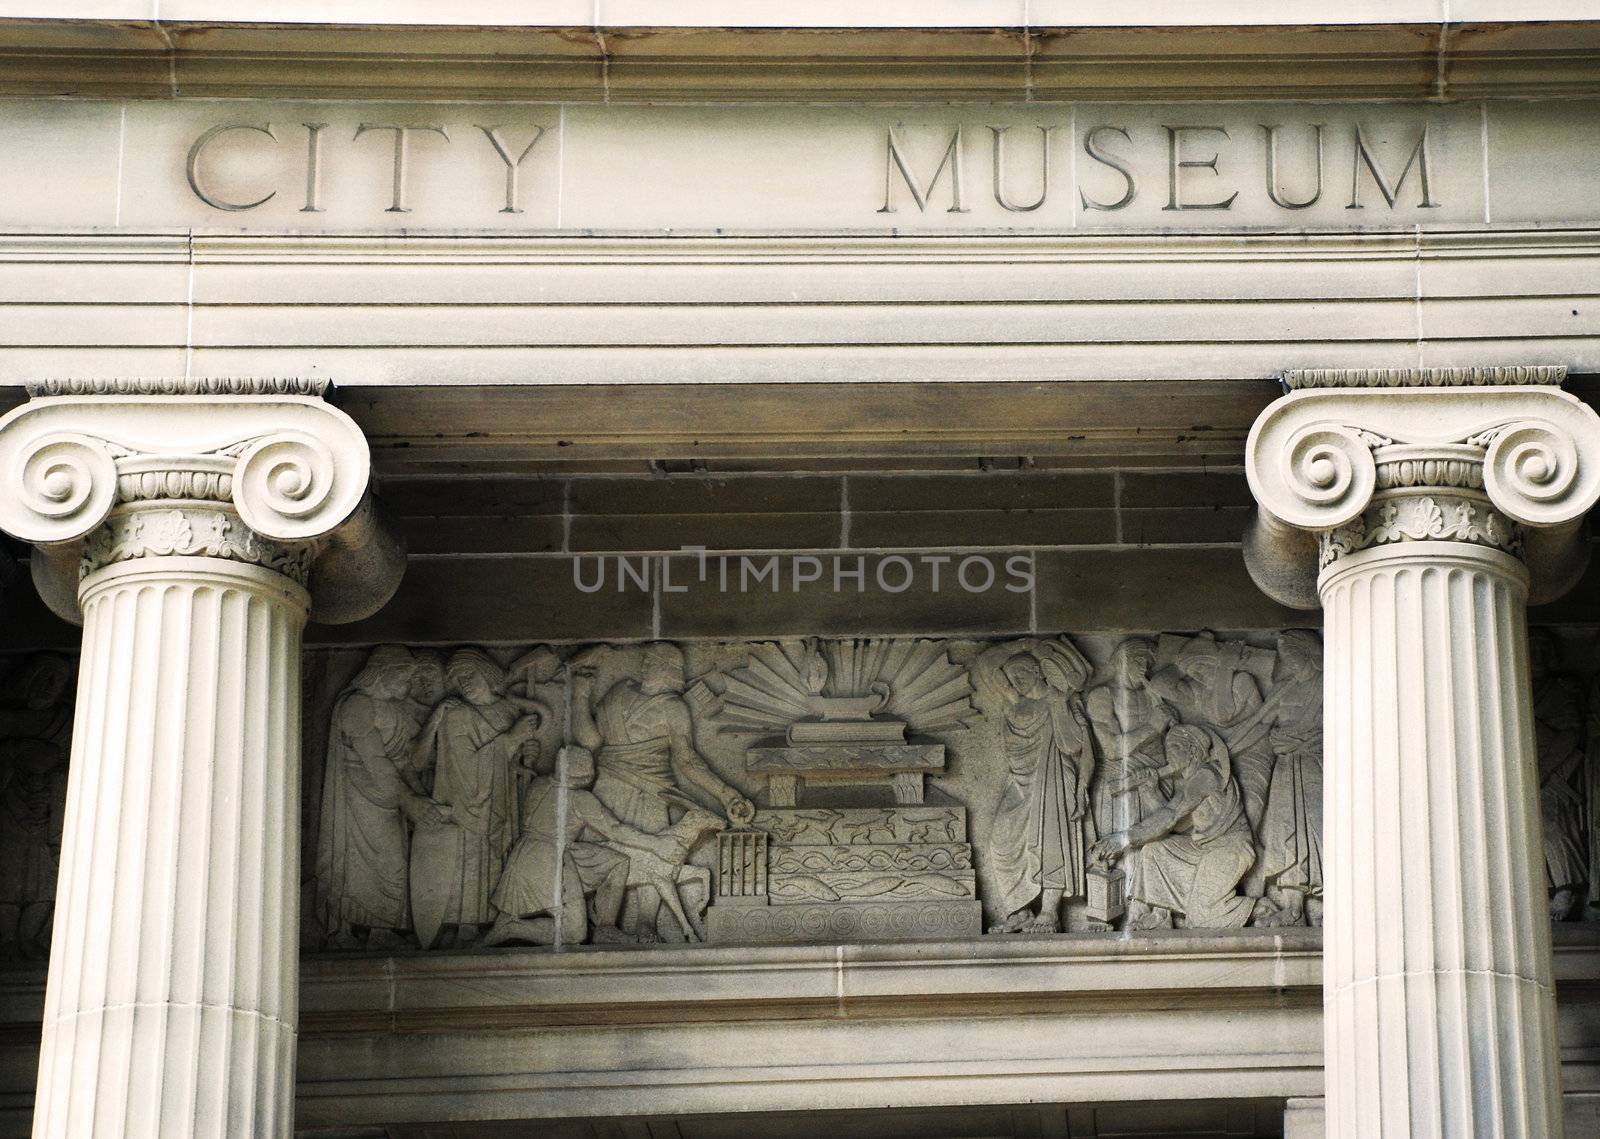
172	987
1440	1016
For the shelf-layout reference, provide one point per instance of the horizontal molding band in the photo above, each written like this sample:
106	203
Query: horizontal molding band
613	51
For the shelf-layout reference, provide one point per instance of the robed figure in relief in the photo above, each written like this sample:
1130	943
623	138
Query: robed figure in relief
1042	822
1558	723
1291	830
473	741
369	792
1130	721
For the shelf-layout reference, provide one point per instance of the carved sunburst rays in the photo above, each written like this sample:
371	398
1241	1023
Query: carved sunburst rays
927	690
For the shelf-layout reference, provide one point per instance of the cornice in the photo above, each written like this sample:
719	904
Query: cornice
983	50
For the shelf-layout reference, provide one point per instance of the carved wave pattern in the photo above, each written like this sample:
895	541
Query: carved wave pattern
912	857
840	887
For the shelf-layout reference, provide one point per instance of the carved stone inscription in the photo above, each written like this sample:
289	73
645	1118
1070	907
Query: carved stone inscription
1196	163
864	788
298	166
1205	166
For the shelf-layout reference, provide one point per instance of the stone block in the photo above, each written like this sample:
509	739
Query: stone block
844	921
498	600
1117	590
747	513
1002	508
1180	507
816	608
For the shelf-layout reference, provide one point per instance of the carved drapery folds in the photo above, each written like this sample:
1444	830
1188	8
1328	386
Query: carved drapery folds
255	470
1356	458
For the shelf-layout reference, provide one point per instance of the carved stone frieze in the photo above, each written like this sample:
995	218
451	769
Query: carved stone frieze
601	794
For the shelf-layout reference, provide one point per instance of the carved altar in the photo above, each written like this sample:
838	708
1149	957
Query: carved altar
852	843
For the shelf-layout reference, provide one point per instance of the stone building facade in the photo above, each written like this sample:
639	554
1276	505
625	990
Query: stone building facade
652	570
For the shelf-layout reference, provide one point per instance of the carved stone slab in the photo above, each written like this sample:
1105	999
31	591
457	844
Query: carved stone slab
842	757
845	921
847	731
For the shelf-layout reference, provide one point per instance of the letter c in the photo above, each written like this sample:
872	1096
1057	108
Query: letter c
193	166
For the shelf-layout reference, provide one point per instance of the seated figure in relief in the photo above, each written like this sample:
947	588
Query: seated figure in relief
1191	855
369	793
1037	842
643	736
1558	733
592	848
1209	684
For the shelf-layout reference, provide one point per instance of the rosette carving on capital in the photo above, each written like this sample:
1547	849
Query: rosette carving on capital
1450	456
249	469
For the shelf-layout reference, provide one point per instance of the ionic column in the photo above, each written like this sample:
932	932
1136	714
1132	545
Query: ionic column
191	526
1422	508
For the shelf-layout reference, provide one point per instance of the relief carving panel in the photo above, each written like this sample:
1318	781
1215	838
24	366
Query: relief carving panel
863	787
866	788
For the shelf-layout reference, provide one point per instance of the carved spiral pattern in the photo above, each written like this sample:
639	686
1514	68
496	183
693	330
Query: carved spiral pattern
285	486
1331	473
66	485
1531	472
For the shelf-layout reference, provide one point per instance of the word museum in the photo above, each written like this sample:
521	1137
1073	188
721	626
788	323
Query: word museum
625	570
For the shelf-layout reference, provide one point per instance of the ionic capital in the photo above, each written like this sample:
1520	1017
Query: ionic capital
1350	460
256	470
